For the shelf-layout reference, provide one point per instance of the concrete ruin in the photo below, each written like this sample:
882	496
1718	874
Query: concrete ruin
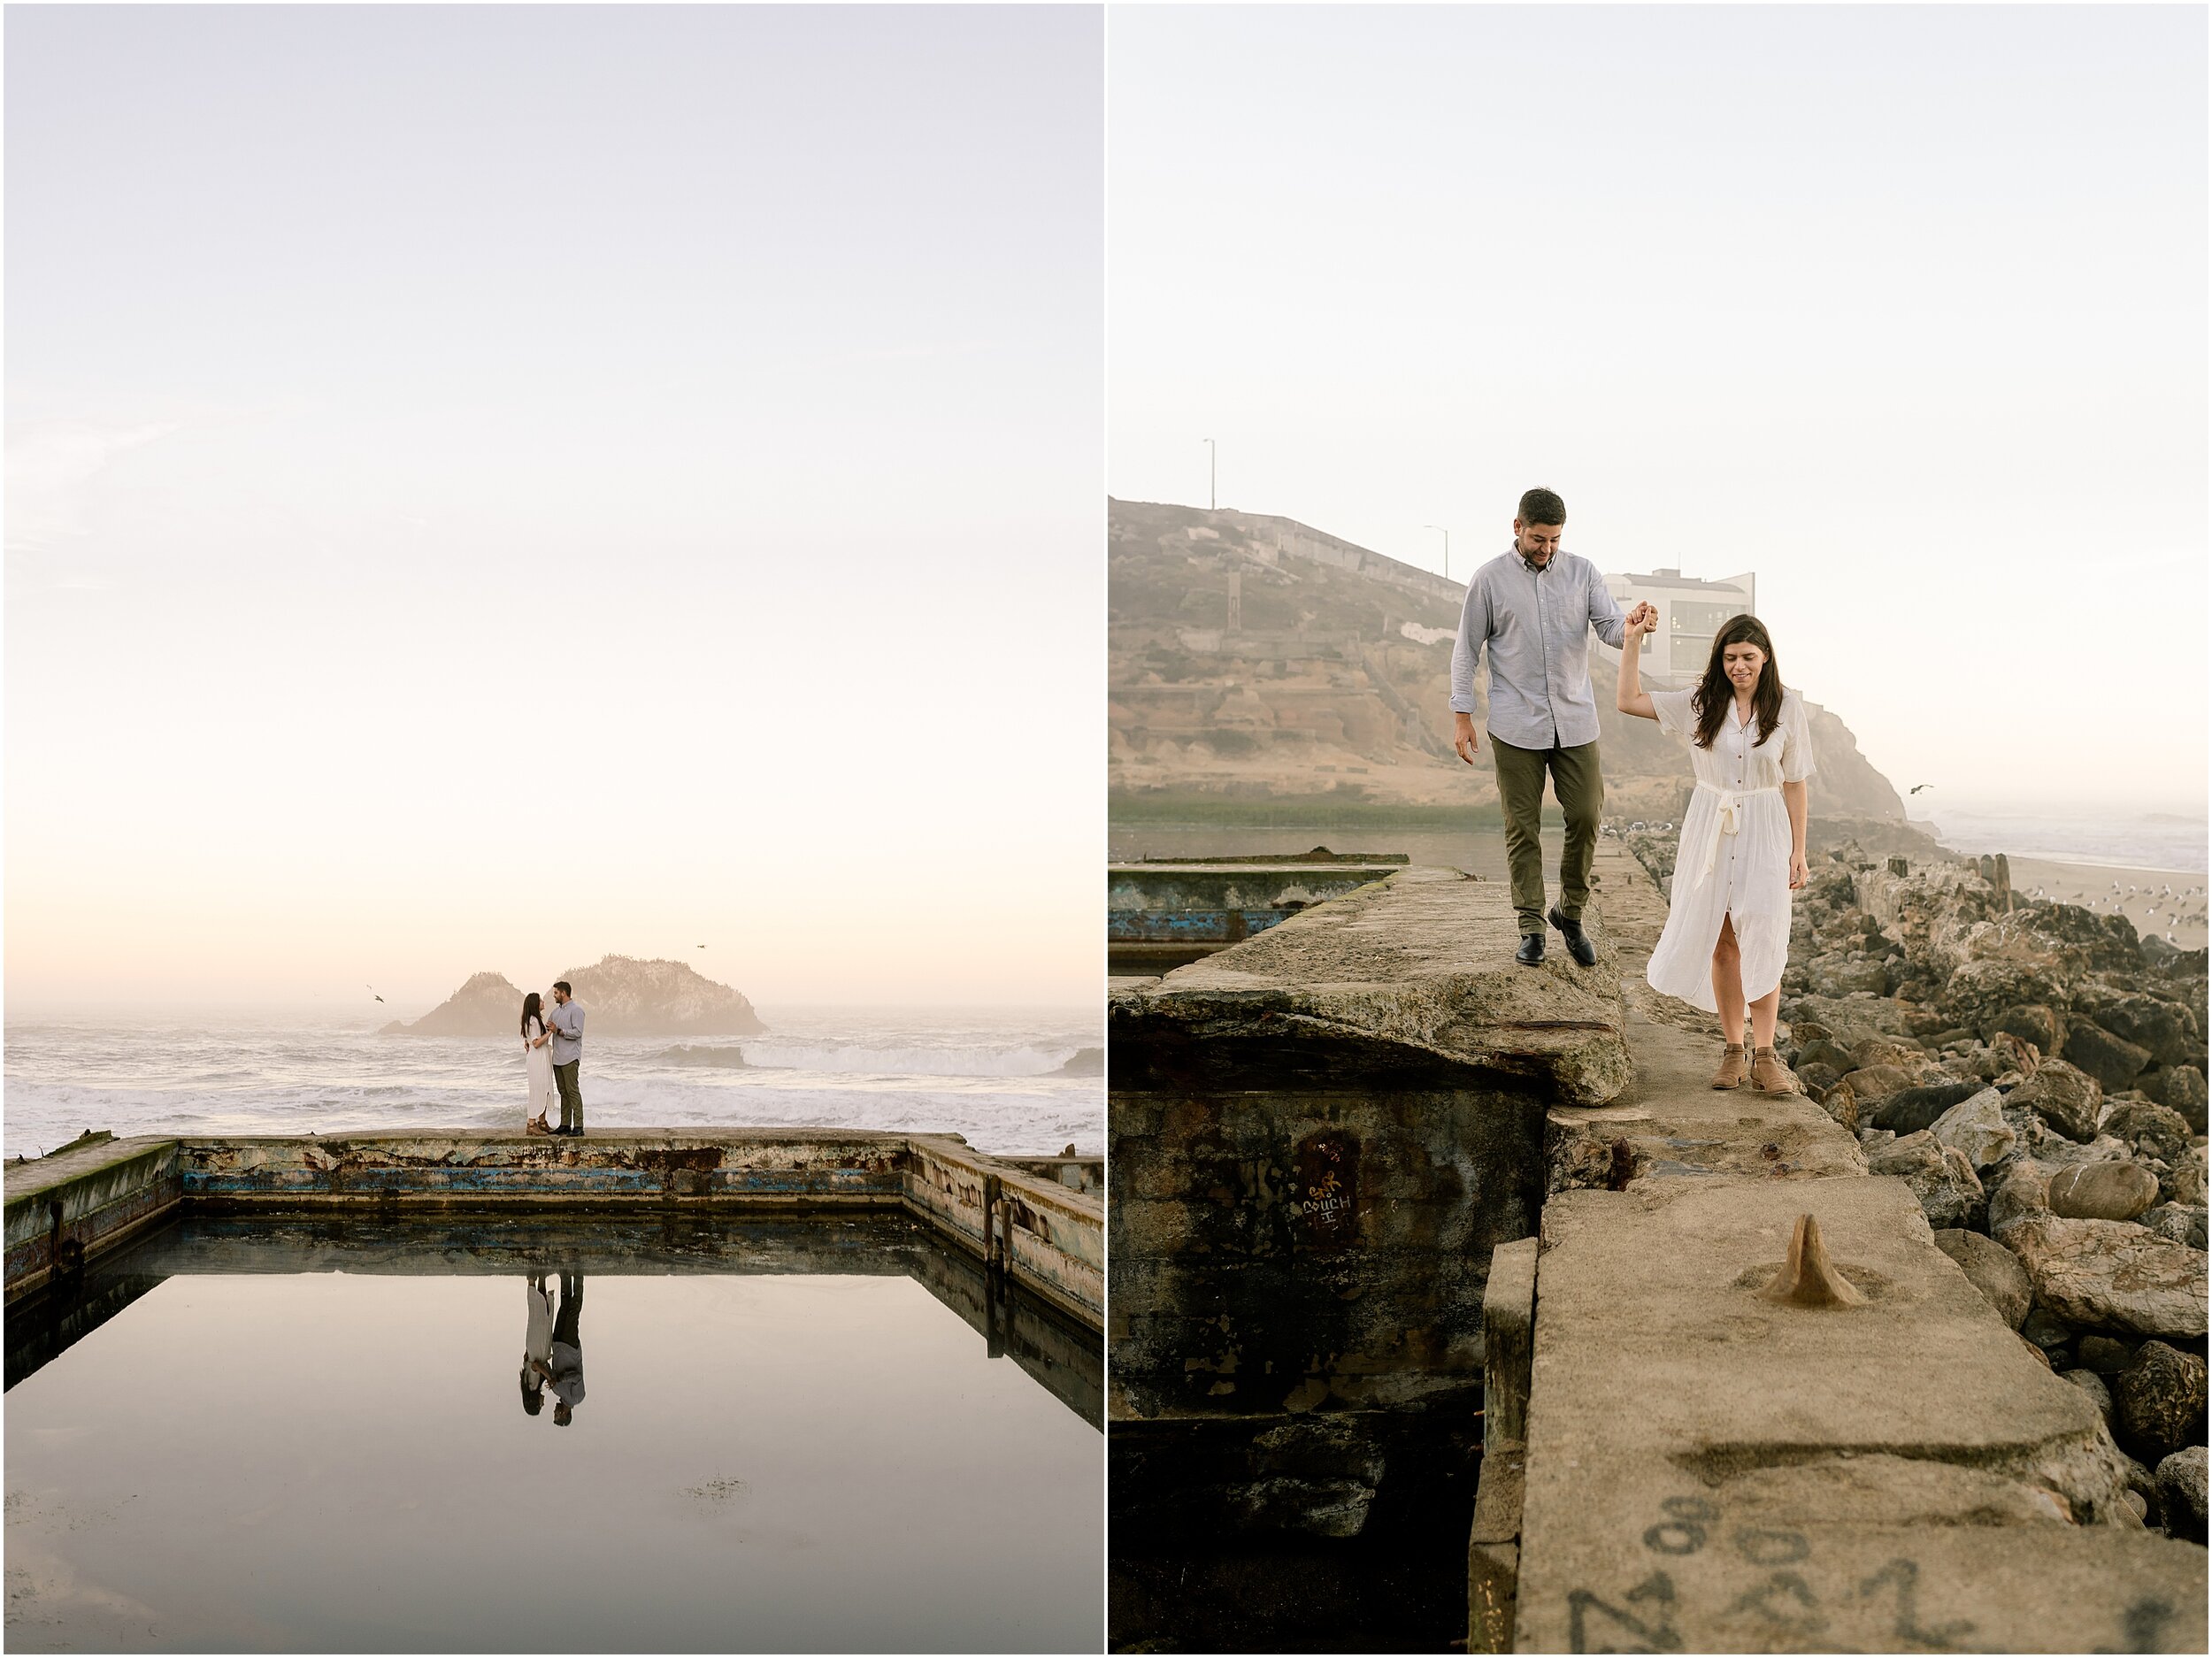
1044	1235
1543	1213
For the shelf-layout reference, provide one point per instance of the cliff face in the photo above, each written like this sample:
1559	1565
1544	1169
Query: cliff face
1336	679
621	996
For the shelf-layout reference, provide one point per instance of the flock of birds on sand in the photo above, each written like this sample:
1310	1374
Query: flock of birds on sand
2186	907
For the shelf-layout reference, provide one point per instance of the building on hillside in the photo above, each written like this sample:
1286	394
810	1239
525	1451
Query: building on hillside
1690	613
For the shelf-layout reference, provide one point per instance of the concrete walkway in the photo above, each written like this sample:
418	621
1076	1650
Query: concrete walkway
1710	1470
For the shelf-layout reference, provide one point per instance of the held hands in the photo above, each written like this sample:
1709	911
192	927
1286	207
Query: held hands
1463	736
1798	875
1642	619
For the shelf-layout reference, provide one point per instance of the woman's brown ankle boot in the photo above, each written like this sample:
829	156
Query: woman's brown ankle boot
1731	1072
1768	1074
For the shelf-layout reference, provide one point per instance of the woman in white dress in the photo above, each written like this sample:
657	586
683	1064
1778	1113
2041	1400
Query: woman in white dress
1742	852
539	1090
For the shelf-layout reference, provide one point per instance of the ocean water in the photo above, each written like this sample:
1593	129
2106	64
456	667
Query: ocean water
2146	840
986	1074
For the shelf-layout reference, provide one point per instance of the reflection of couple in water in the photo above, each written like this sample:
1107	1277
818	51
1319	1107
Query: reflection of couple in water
552	1349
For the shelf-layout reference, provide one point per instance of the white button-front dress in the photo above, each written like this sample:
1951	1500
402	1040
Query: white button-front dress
1734	858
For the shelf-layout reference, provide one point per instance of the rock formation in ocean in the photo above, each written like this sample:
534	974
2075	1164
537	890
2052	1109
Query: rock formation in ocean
622	996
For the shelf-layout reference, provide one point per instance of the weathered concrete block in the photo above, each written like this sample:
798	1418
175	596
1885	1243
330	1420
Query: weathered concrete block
1508	1334
1319	1137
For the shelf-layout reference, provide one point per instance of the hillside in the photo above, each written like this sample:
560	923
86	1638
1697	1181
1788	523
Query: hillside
1336	682
621	996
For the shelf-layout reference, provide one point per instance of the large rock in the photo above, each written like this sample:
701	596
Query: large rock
1975	1128
2181	1493
2111	1274
1940	1177
2183	1181
2023	1189
1992	1269
2112	1060
485	1005
2166	1030
1910	1110
2033	1022
2065	1096
2103	1191
1979	991
2183	1222
621	996
2161	1401
2181	1088
2148	1130
2092	1384
1869	1085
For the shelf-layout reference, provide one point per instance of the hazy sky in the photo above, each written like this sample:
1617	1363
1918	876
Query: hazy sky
1902	307
488	486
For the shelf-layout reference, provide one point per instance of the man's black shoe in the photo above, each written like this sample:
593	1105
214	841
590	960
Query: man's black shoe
1578	945
1532	951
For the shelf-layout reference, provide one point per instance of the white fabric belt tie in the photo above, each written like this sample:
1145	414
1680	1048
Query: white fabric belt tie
1727	819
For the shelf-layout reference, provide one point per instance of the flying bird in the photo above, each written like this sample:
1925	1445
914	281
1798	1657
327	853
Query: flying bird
371	990
1917	787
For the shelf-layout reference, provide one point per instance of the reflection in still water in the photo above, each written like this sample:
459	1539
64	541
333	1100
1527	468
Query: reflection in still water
553	1348
802	1442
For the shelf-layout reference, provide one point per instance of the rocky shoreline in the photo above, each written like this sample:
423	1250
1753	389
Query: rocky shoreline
2035	1073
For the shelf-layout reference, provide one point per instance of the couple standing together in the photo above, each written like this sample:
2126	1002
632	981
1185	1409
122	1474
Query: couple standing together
1742	851
552	1048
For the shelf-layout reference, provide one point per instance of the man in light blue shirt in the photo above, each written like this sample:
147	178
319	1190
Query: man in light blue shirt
1532	611
566	1024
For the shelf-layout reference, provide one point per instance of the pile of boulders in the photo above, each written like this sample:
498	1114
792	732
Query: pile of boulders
2036	1074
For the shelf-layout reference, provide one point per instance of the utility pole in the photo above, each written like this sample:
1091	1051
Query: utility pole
1211	455
1447	534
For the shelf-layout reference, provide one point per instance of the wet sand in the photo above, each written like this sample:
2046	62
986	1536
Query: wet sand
2091	885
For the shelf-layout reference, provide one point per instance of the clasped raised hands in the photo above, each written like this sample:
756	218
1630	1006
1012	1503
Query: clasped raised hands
1643	619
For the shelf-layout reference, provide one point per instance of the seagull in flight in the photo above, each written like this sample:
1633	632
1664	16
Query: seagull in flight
371	990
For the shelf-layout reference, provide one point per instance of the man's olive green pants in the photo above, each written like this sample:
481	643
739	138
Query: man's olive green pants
1578	786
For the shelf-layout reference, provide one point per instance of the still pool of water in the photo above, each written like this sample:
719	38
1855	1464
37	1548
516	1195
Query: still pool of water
311	1435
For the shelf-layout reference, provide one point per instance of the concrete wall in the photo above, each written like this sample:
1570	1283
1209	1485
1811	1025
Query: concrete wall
1049	1238
652	1165
63	1210
1316	1138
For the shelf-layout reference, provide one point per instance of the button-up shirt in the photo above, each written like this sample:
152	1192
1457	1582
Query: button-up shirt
1535	625
567	1021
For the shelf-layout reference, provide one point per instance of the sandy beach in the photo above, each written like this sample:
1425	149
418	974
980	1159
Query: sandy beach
2092	884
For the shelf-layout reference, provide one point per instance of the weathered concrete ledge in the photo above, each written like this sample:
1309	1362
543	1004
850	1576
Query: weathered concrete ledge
1316	1137
1708	1469
1044	1235
65	1209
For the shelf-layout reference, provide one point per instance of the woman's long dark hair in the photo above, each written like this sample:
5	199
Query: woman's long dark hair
531	1003
1715	692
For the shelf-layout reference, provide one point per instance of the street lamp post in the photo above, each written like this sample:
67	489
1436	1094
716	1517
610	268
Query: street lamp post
1211	454
1447	534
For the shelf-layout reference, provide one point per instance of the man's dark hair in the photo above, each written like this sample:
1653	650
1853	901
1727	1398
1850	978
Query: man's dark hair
561	984
1542	506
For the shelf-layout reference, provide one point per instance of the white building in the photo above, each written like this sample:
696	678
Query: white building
1690	613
